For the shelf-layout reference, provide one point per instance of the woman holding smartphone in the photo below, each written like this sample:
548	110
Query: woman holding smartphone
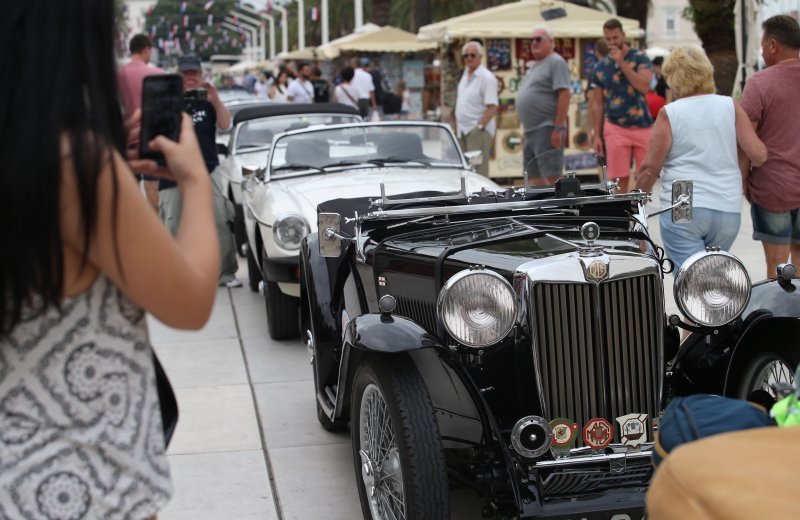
85	258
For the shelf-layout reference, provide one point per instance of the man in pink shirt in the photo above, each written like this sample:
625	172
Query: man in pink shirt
770	100
130	78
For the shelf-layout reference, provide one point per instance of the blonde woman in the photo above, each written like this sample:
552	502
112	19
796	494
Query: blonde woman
696	138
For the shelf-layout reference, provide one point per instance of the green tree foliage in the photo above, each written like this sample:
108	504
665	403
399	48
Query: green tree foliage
713	21
166	24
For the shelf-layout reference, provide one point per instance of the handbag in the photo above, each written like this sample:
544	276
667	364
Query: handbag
166	400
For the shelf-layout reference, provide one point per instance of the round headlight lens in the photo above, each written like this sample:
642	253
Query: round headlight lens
289	231
712	288
478	308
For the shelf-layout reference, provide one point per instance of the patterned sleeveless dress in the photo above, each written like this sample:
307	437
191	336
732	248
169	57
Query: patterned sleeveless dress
80	423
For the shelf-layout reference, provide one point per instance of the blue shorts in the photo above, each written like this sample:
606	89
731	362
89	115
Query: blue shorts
708	227
775	228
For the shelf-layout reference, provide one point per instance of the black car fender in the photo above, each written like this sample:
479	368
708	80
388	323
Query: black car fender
772	323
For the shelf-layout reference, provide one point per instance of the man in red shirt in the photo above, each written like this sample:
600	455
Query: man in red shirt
130	78
770	100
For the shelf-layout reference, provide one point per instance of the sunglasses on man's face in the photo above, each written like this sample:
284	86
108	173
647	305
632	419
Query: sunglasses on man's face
537	39
469	55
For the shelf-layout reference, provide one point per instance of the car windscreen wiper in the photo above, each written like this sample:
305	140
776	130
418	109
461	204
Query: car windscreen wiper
383	161
346	163
297	166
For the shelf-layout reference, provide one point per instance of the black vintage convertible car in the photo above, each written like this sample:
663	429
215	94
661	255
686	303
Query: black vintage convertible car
516	342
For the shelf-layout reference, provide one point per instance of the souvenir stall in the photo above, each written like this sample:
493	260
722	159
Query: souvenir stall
397	53
504	32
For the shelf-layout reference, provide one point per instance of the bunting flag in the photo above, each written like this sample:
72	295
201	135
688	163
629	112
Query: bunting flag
183	7
161	20
269	6
150	9
197	28
188	35
186	20
210	20
208	5
314	13
192	44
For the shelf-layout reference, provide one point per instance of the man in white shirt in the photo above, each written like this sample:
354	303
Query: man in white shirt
476	105
301	90
362	80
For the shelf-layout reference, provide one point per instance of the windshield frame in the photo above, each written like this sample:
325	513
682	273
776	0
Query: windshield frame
378	124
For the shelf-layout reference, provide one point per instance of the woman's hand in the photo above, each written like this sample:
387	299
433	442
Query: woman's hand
133	127
184	159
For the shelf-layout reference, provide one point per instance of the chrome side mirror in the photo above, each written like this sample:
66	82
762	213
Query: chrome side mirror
248	170
330	241
682	199
474	157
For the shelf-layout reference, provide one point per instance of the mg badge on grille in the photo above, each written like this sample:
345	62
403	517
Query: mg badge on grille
597	270
633	429
598	433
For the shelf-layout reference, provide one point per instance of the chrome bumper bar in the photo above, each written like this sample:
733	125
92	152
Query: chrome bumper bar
617	459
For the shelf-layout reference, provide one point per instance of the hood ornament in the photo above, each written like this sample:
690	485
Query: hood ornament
590	232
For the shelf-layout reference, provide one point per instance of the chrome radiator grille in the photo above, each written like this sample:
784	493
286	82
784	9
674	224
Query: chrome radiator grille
597	348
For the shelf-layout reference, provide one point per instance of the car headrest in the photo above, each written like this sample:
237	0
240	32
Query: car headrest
314	152
402	145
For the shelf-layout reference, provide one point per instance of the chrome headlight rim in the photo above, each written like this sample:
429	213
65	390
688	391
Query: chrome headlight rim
679	287
458	277
306	229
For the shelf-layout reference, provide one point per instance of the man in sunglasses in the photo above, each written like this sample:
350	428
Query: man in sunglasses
542	103
476	105
618	89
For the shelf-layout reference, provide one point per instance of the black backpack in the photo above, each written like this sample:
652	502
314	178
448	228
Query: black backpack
392	103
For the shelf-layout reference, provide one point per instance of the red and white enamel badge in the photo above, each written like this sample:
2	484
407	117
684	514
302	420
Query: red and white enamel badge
598	433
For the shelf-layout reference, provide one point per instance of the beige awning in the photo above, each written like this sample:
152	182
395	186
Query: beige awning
516	20
373	38
306	54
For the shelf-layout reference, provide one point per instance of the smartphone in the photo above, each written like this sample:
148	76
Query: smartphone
162	105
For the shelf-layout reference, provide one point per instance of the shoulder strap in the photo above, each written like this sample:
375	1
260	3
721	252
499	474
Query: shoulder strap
349	95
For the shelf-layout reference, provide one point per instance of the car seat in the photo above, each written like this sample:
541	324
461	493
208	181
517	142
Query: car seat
401	145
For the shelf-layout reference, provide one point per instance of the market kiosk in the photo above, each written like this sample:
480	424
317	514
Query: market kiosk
504	32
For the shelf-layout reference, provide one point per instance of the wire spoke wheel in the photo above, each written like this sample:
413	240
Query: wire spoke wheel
776	371
765	371
399	459
381	472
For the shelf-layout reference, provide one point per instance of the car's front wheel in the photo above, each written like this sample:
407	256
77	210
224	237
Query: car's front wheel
282	312
399	459
766	369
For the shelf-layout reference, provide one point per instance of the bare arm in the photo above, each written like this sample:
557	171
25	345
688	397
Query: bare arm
746	136
488	114
223	114
562	104
596	99
660	143
172	278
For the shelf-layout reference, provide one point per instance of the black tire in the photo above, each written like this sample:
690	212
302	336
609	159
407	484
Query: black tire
282	312
253	273
417	450
239	233
771	365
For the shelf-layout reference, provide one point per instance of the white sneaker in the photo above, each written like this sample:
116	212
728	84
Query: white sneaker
234	283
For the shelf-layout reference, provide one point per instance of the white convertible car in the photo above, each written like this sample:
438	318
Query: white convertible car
310	166
250	138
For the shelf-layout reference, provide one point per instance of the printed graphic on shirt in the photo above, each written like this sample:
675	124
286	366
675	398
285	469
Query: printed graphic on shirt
625	106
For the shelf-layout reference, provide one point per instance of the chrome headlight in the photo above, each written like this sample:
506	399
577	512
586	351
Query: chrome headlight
478	307
289	230
712	288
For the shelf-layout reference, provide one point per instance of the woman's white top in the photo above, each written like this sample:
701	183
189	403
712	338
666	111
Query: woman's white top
279	94
704	150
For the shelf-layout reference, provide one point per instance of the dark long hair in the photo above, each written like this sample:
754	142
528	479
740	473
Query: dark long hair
59	81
